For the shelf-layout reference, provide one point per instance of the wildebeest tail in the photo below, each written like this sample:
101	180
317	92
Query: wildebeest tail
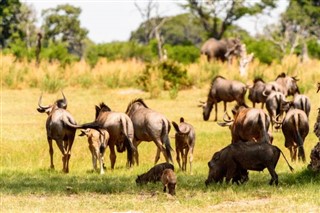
165	138
176	126
262	122
290	167
298	138
127	142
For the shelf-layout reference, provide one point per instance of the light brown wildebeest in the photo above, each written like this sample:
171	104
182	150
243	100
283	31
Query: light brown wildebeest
149	125
185	140
169	180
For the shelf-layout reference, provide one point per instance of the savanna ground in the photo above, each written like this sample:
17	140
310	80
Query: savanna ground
28	185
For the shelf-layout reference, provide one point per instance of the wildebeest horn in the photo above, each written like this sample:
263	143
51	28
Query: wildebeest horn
64	98
39	103
224	117
202	104
275	120
264	93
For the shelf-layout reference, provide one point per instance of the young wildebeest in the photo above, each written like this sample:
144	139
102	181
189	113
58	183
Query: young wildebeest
185	140
98	142
120	129
302	102
249	124
223	90
295	128
154	174
169	180
244	156
59	128
274	106
149	125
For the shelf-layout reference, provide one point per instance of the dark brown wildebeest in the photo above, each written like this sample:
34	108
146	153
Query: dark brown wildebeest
316	128
295	128
302	102
154	174
223	90
223	49
120	129
98	142
59	129
288	85
185	140
274	106
244	156
169	180
149	125
249	124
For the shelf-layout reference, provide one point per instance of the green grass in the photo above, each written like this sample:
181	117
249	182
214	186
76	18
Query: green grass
28	185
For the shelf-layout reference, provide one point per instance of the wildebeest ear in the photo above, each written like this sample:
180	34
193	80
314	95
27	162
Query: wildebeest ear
181	119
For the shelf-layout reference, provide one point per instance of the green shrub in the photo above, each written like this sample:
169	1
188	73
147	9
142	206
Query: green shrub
58	52
183	54
52	84
264	50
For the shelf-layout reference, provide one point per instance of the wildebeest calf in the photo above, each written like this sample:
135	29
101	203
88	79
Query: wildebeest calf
169	180
154	174
185	140
98	142
244	156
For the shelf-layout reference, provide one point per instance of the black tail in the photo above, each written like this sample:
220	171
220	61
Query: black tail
290	167
165	139
265	136
130	150
176	126
299	140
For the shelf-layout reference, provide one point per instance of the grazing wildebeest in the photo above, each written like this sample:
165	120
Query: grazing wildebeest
120	129
302	102
185	139
59	129
288	85
149	125
98	142
295	128
223	90
274	106
154	174
249	124
244	156
223	49
169	180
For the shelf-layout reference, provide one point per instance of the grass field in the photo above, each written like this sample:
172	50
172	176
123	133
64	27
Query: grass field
28	185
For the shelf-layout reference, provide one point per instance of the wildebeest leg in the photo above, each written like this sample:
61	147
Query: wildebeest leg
262	105
164	188
112	156
274	176
253	104
69	143
178	156
157	156
51	153
185	159
162	149
60	145
295	153
216	110
94	154
136	153
231	172
191	159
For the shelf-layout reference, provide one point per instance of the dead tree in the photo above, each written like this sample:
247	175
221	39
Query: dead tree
38	49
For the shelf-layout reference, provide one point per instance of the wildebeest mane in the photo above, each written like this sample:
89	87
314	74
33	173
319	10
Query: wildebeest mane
139	100
102	108
258	79
215	78
282	75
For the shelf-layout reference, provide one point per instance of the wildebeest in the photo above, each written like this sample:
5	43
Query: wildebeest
120	129
59	129
316	128
222	49
295	128
249	124
244	156
302	102
169	180
223	90
185	139
98	142
288	85
149	125
154	174
274	106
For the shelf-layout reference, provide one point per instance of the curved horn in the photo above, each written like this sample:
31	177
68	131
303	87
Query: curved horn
227	120
264	93
64	98
39	103
275	120
202	104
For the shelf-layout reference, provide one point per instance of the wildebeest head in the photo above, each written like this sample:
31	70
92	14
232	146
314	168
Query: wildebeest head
60	103
215	170
288	83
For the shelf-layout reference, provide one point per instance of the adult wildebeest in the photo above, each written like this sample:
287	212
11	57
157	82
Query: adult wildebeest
249	124
223	49
185	139
223	90
59	129
154	174
149	125
295	128
288	85
244	156
98	142
302	102
169	180
274	106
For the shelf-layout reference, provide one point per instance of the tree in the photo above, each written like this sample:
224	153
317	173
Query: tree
62	24
216	16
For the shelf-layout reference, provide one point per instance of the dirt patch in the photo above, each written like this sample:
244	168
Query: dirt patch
242	205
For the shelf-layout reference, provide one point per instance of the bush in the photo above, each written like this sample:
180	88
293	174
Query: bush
58	52
264	50
183	54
